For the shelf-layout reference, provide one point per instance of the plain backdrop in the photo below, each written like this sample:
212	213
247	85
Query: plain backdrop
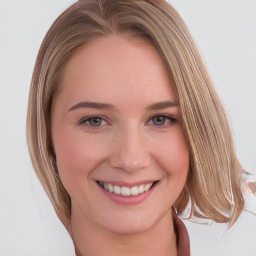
225	31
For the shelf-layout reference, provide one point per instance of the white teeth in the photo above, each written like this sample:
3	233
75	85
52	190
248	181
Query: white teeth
148	186
110	188
126	191
117	190
135	191
141	189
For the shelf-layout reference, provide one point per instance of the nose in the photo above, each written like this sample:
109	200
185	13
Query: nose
129	151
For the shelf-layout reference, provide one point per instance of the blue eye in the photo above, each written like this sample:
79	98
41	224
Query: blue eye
93	121
159	120
162	120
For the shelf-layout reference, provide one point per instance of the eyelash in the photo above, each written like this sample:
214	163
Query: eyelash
86	119
167	118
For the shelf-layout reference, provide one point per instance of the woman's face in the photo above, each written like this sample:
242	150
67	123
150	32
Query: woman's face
120	150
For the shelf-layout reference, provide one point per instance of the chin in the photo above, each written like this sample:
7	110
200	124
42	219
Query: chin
128	228
131	223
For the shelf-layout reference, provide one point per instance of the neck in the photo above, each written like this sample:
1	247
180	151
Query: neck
90	239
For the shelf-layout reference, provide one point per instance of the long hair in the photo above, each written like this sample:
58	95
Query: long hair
213	182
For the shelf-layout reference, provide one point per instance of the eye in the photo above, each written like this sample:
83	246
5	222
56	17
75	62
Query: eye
159	120
93	121
162	120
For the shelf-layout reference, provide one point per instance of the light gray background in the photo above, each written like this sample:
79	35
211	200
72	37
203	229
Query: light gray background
225	31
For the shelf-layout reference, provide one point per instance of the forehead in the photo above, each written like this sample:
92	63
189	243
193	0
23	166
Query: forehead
115	68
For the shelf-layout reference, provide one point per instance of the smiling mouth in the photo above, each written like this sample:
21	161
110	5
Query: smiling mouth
127	191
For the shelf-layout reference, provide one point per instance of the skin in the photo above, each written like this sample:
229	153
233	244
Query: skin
128	144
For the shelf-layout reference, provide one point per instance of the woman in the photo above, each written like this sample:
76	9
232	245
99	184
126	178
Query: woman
124	124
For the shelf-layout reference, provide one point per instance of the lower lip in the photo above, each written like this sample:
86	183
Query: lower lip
128	200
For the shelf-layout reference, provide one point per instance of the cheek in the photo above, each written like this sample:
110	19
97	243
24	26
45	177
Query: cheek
77	155
174	153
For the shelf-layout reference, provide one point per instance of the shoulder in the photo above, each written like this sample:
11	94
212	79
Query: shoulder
213	238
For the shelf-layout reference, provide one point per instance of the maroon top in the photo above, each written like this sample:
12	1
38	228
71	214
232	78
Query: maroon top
182	238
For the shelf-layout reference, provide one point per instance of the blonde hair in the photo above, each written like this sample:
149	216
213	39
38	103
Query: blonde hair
213	182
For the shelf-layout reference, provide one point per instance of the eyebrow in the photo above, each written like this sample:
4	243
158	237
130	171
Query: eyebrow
162	105
96	105
106	106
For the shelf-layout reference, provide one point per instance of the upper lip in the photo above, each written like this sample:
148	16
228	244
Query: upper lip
126	184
